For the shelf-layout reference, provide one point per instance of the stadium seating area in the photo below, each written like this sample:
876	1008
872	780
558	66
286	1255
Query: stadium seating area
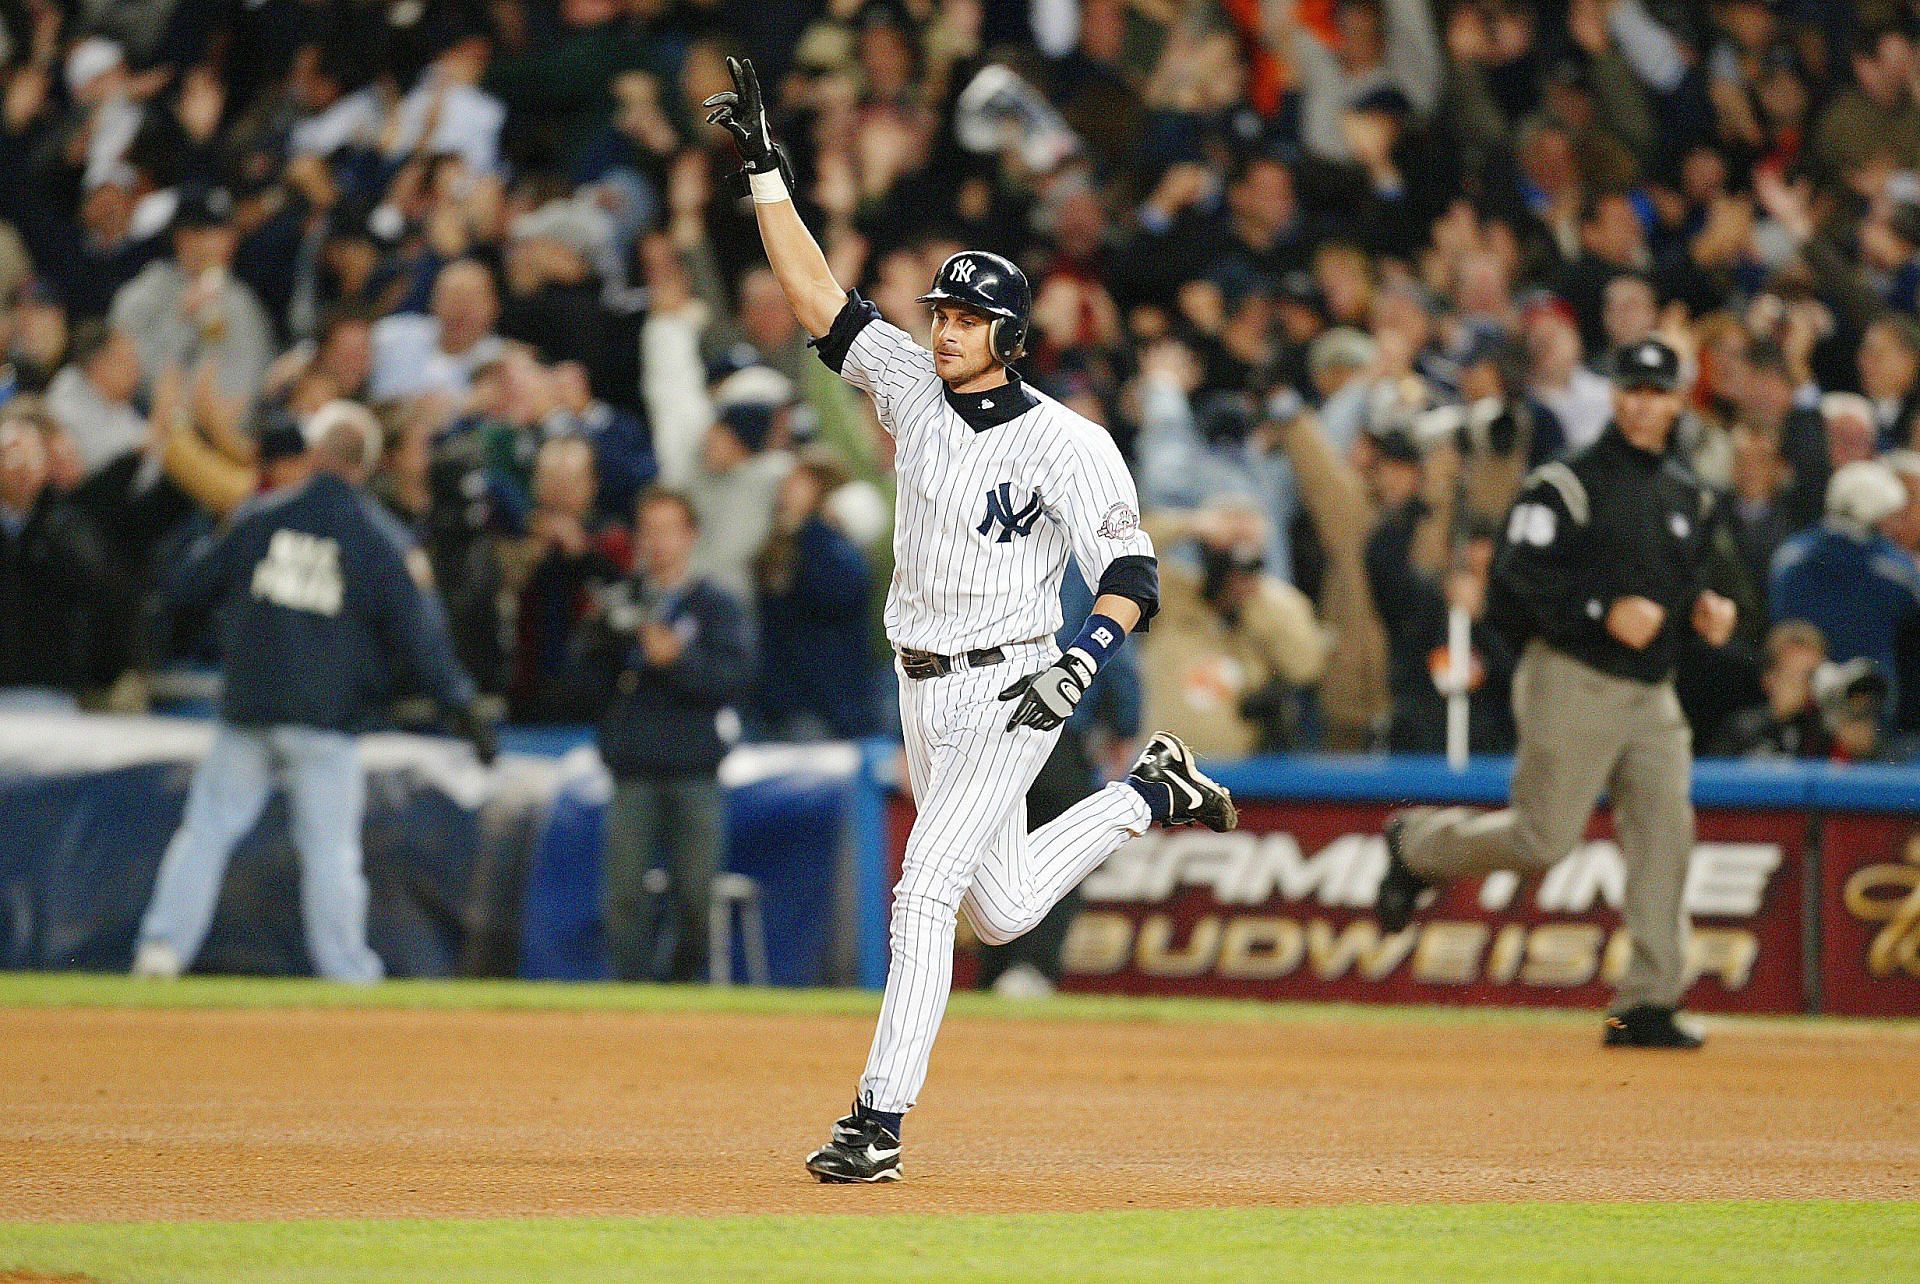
1336	276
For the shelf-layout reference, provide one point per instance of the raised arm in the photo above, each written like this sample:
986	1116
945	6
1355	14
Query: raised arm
796	258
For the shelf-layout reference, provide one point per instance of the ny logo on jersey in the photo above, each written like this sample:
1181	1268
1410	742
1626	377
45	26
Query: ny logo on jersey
1000	509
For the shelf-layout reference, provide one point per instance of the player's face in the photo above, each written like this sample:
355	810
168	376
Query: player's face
961	348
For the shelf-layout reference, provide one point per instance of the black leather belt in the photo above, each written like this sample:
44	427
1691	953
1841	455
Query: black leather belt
920	665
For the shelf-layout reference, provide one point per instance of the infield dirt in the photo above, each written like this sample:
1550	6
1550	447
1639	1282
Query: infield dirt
123	1114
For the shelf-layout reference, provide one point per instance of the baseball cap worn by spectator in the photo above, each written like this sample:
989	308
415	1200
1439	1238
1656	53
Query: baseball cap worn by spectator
1384	101
1342	348
204	207
92	58
1396	445
750	421
281	438
1649	363
1865	493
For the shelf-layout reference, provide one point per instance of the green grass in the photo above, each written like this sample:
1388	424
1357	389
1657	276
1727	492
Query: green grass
93	990
1703	1241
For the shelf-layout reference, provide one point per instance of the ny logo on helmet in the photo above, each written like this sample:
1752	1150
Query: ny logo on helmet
1000	509
962	271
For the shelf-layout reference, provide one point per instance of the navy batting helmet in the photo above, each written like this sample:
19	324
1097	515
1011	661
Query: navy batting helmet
991	285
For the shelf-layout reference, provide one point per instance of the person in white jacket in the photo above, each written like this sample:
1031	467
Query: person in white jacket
723	448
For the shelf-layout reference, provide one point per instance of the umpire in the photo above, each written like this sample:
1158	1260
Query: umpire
1597	575
318	609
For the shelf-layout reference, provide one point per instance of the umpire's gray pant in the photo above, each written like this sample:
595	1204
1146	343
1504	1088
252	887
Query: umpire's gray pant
1582	733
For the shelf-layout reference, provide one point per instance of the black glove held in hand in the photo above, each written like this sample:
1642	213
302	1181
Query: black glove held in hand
742	113
1049	697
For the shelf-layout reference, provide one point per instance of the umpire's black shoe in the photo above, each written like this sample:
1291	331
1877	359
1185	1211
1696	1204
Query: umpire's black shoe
1399	894
860	1149
1167	761
1648	1026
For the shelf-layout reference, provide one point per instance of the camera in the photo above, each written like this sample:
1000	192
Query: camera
1851	689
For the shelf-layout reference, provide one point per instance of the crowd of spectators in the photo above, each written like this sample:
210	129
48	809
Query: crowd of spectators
1337	274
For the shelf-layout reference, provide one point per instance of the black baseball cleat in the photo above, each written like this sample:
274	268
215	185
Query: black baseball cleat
1650	1026
860	1150
1399	895
1167	761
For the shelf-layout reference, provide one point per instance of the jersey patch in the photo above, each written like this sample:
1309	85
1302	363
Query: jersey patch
1120	521
1011	522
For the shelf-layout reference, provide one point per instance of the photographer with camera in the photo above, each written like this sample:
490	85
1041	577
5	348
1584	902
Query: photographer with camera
1850	581
676	655
1787	724
1850	697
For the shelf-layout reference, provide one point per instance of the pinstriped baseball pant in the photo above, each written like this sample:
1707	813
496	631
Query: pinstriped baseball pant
970	848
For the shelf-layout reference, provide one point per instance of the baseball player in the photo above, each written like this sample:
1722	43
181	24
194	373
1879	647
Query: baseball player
316	604
998	485
1598	576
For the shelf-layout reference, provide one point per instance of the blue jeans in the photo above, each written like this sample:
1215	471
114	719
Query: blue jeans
327	793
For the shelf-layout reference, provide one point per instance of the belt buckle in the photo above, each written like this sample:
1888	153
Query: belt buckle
921	665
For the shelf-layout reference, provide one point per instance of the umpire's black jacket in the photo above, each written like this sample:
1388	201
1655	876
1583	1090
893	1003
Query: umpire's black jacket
317	610
1611	521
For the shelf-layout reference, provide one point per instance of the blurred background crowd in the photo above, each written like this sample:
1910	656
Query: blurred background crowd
1336	273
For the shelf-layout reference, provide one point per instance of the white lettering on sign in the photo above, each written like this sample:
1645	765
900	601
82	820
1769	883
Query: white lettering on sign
1243	869
1730	879
1724	880
1590	872
300	572
1497	890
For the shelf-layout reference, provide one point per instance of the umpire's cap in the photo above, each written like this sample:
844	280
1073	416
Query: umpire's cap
1647	364
991	285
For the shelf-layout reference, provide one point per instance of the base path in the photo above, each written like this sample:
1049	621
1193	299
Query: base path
123	1114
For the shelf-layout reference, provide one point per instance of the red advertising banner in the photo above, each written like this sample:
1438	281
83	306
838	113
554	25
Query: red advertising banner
1282	909
1870	914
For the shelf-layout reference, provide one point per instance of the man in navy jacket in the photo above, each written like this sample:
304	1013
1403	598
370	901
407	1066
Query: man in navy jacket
679	660
1859	588
815	591
319	609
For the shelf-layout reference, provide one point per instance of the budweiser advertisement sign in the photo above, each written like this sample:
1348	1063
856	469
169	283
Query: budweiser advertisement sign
1282	909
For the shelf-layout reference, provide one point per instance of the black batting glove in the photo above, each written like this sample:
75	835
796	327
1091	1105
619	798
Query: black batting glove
742	113
1049	697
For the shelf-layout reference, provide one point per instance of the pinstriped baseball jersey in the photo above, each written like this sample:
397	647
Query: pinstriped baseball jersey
986	517
996	490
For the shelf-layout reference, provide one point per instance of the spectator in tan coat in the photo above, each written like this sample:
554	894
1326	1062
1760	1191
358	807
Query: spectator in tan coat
1232	645
1353	687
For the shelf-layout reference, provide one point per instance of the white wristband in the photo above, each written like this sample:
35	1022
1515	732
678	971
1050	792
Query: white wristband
768	188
